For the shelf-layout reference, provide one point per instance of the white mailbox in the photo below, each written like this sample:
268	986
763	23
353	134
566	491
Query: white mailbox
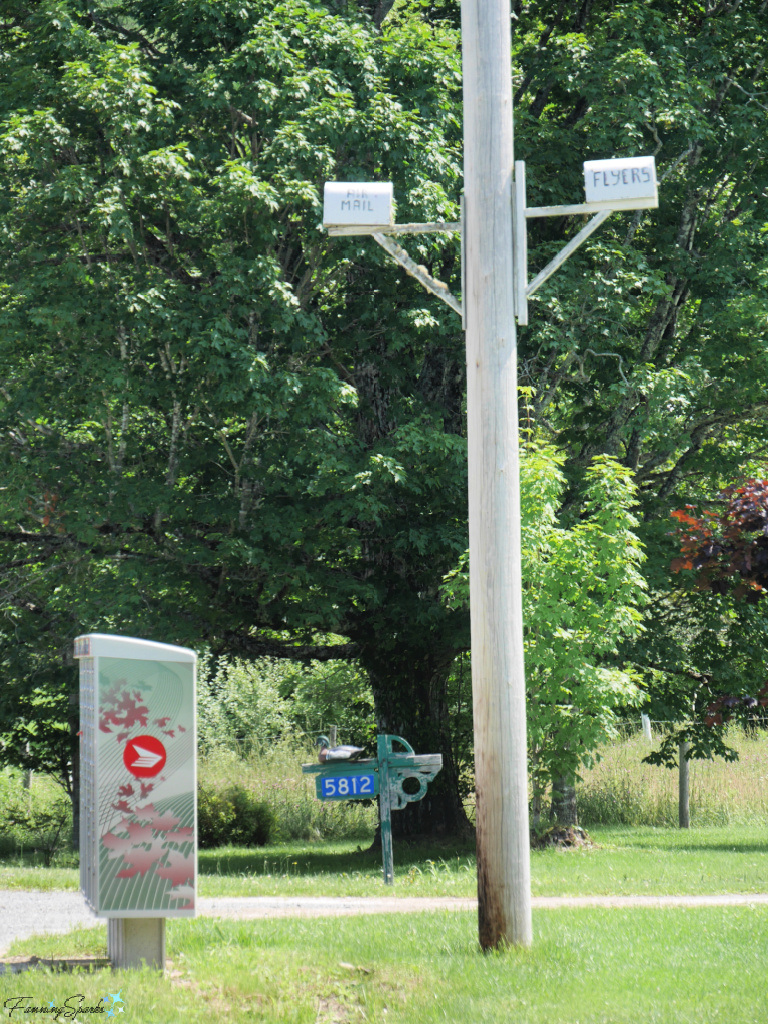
138	807
628	183
355	203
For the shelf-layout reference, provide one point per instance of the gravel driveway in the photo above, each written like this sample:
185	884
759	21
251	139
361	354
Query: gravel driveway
25	913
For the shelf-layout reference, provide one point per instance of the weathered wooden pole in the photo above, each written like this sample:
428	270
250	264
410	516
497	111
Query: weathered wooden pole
385	811
498	682
683	805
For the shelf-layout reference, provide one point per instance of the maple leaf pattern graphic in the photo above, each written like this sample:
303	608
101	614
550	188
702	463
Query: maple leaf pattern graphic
142	859
122	709
146	813
146	841
181	835
150	846
179	868
184	892
118	846
165	822
140	833
160	822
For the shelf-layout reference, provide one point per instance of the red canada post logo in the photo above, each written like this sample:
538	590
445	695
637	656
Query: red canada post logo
144	757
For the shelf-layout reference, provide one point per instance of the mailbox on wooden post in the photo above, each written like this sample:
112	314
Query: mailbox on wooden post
381	776
363	205
624	183
138	849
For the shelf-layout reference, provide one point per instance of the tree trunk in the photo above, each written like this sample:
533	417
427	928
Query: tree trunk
684	814
410	692
563	808
536	808
74	773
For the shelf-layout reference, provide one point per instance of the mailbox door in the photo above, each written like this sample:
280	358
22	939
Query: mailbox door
146	788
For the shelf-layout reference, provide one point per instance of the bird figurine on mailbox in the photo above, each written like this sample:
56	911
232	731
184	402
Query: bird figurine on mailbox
329	753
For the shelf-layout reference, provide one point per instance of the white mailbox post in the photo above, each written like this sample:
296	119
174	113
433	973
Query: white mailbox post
625	183
365	208
622	184
138	786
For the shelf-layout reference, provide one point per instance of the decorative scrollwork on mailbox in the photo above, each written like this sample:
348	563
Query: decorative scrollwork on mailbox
397	776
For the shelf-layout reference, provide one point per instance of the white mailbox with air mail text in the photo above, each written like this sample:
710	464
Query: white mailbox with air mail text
357	203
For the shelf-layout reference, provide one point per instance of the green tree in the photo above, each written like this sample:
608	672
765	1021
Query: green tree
582	596
707	657
219	426
650	344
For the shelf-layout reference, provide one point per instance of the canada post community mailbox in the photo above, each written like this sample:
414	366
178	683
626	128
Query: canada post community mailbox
137	777
628	182
357	202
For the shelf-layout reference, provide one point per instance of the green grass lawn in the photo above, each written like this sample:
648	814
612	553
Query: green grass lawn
626	861
587	966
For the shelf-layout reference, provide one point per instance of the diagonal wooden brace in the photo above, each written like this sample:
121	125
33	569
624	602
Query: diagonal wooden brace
566	251
425	279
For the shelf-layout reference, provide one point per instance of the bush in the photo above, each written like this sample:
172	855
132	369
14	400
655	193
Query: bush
240	703
244	705
271	774
39	824
232	817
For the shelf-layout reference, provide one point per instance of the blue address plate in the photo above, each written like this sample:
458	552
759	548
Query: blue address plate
347	786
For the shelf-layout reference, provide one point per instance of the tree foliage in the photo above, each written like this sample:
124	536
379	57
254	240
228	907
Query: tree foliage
219	426
715	630
582	595
651	343
728	546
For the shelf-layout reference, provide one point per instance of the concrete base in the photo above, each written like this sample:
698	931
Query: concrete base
134	941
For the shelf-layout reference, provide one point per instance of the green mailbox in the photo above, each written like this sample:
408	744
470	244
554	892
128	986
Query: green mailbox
382	776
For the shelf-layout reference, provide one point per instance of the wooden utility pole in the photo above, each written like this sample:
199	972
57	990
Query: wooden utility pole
498	682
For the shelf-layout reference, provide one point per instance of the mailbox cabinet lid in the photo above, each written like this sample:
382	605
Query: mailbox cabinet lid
623	178
357	202
105	645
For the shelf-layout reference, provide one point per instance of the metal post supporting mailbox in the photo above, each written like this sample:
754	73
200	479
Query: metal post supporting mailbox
384	776
138	807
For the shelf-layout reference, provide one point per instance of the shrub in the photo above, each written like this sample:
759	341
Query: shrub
232	817
240	703
43	826
245	705
272	774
